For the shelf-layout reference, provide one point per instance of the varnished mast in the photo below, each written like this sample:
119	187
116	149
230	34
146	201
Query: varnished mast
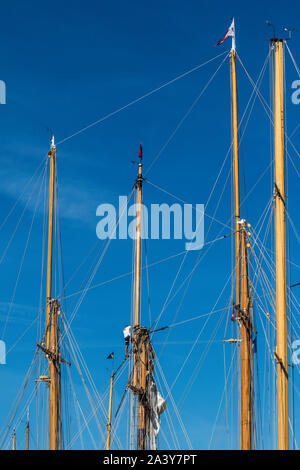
235	144
108	438
52	313
139	348
280	245
246	347
27	431
14	440
241	309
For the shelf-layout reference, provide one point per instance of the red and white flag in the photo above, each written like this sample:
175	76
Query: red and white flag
229	33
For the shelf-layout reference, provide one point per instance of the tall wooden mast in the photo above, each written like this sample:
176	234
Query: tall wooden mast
52	312
14	440
27	431
108	437
139	348
246	347
280	246
235	145
241	308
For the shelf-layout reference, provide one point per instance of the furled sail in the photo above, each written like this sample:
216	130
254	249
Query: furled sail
157	405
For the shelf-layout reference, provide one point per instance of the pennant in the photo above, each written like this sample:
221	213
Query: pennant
141	152
230	32
111	356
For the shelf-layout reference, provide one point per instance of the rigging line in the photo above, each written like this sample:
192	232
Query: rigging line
99	400
149	93
185	202
295	130
85	422
93	406
169	394
169	421
293	226
172	135
44	228
125	274
100	260
201	331
196	318
199	364
293	60
23	257
86	258
293	164
266	107
21	217
24	332
198	260
261	75
242	136
80	359
59	237
14	407
222	396
243	116
88	419
22	194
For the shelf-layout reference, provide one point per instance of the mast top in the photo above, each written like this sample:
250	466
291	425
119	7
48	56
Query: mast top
232	34
52	146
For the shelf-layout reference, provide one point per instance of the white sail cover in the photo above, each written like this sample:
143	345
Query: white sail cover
157	406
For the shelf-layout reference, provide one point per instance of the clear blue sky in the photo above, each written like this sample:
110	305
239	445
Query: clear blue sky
67	64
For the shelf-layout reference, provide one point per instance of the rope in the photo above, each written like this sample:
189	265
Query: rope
113	113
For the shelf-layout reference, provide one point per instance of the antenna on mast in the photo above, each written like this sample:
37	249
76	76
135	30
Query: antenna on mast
272	26
290	31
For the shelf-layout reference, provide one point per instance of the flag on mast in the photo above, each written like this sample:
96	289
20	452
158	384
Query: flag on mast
111	356
230	32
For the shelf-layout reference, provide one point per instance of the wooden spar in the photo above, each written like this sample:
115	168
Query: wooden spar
235	173
108	438
245	344
52	156
139	348
52	344
27	431
137	276
14	440
280	248
137	279
55	385
142	388
246	348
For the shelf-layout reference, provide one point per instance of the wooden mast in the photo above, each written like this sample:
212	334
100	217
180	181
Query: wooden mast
14	440
27	431
139	348
235	170
108	439
52	344
243	310
246	347
280	248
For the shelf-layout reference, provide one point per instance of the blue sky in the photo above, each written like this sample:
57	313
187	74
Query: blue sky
66	66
